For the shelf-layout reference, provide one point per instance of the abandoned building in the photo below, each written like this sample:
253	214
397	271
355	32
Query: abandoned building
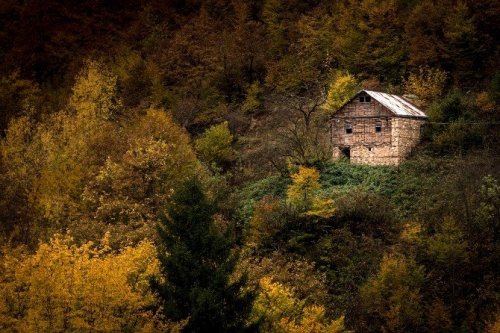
376	128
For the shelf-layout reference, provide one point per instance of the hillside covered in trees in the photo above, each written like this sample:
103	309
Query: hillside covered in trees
165	166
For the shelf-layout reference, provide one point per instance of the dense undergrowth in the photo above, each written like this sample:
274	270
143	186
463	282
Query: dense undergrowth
420	221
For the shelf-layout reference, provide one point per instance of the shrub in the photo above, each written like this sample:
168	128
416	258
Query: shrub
459	136
253	101
268	220
214	145
450	108
366	214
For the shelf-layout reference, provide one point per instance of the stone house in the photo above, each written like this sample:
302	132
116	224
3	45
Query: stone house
376	128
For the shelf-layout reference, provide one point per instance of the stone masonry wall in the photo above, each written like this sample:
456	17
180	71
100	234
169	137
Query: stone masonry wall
406	133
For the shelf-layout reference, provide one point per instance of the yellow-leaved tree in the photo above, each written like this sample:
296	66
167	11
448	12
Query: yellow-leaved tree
341	88
252	101
129	190
94	92
302	194
66	287
305	182
426	83
214	145
88	168
19	170
75	141
268	220
281	311
391	299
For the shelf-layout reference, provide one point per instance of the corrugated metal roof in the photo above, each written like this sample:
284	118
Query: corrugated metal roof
397	104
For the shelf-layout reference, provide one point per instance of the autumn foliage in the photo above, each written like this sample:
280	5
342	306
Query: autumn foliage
66	287
109	108
281	311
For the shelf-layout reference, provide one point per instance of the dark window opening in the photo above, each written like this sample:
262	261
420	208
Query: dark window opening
370	148
365	99
346	152
378	127
348	128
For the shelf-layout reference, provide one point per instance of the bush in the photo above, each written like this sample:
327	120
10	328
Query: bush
253	102
269	218
253	192
455	124
459	136
366	214
214	145
450	108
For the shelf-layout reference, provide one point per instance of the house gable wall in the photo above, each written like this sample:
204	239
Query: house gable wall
355	108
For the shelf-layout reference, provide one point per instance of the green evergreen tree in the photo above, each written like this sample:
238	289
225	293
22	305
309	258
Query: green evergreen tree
197	261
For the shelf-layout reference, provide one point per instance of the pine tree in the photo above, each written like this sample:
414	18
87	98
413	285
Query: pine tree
196	262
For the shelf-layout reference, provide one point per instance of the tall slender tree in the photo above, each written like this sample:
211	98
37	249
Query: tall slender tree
197	261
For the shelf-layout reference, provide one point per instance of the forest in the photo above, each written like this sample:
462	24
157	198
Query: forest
165	167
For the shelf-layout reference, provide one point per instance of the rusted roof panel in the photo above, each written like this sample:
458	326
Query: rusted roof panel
397	104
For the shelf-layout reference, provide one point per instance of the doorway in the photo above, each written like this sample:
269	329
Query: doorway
346	152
